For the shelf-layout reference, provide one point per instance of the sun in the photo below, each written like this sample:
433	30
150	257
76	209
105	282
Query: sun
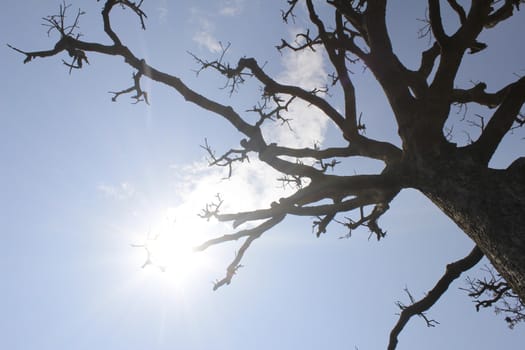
169	248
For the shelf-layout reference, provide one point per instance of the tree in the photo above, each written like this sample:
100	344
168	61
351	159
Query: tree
485	203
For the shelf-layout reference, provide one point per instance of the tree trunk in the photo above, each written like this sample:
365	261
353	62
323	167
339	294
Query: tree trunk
488	205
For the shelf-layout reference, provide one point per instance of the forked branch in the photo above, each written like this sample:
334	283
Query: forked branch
502	120
251	234
227	159
452	272
495	292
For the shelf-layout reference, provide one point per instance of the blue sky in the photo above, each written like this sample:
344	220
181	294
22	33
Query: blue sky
84	178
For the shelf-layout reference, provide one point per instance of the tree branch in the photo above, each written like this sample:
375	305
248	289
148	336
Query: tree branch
478	95
436	23
453	47
501	121
362	189
428	58
252	235
504	12
496	292
459	10
133	6
453	271
273	87
338	59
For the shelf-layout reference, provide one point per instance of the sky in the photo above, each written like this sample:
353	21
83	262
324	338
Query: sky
87	182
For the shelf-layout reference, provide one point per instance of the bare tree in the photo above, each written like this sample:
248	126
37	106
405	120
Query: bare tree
487	204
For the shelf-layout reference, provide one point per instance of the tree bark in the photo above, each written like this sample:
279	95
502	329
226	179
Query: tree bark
488	205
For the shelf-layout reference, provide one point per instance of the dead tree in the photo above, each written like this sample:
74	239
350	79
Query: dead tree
487	204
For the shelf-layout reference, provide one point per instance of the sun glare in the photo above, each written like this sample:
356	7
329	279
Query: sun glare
169	248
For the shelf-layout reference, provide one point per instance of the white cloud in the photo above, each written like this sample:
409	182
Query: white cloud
204	36
163	11
124	190
232	8
206	39
254	184
304	69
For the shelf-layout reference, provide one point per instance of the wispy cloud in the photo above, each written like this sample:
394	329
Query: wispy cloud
254	184
304	69
124	190
162	10
207	40
232	8
204	36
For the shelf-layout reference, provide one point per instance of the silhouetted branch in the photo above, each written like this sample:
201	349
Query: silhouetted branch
453	271
302	41
338	59
227	159
495	292
502	120
149	255
519	122
234	75
478	95
403	307
459	10
289	12
436	22
273	108
132	5
58	22
212	209
251	234
369	221
140	94
502	13
358	33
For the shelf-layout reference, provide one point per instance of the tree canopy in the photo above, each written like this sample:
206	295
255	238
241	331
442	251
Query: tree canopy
486	203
